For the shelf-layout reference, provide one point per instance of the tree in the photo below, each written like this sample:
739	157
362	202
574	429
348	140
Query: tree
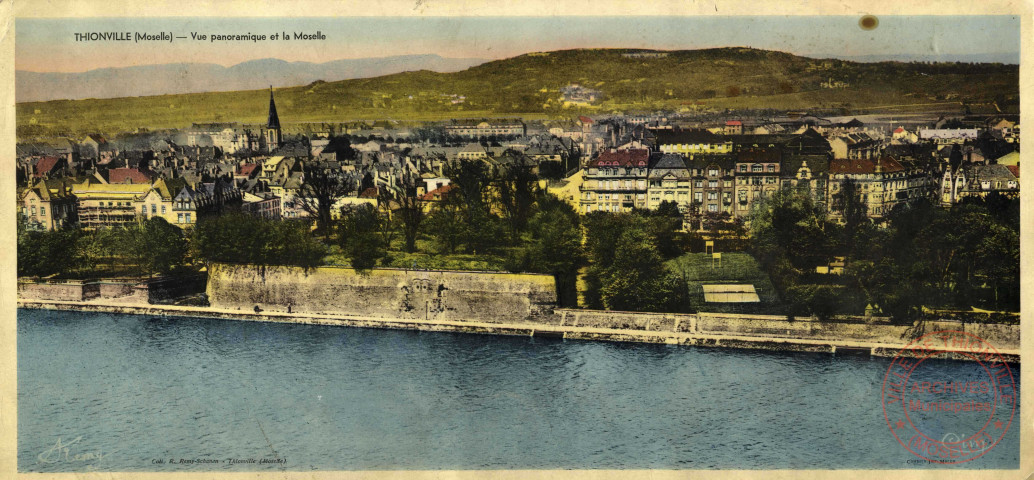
410	211
359	234
517	184
158	246
553	244
853	211
244	239
445	224
480	228
321	189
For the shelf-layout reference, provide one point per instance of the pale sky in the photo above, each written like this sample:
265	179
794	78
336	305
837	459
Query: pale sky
49	44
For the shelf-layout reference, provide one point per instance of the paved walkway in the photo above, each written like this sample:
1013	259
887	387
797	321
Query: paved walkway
137	305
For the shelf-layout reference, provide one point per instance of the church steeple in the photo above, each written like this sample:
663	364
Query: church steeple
272	132
274	120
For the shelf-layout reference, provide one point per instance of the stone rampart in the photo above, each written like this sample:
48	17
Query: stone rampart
388	293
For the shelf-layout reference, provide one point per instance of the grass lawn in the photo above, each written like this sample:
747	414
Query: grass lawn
737	268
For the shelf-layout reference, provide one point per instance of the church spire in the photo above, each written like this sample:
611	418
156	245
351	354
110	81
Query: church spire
274	120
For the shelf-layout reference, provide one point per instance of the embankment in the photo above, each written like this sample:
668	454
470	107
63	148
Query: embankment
495	303
389	293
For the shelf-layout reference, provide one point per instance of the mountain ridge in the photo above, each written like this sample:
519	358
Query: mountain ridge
533	85
191	77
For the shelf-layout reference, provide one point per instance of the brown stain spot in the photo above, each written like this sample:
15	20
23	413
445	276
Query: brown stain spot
868	22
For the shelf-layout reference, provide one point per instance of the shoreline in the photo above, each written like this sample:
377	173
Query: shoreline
562	332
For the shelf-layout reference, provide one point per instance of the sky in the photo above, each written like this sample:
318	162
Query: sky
48	44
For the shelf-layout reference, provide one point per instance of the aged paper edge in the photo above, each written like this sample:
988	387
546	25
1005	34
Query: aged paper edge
315	8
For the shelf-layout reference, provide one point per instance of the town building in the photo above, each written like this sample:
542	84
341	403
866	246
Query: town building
48	205
615	181
485	128
691	142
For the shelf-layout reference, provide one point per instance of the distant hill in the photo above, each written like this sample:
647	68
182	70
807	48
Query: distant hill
209	77
626	80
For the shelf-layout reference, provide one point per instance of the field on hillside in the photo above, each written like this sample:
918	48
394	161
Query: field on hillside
529	85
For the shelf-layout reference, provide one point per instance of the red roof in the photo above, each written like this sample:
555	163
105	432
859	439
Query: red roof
899	130
734	122
861	165
623	158
45	165
247	169
438	193
1015	169
584	119
133	175
369	193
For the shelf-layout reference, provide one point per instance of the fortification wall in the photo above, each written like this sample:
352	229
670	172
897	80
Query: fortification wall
387	293
858	329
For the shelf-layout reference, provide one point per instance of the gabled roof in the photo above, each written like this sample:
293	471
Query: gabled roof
247	169
991	172
864	166
129	175
758	155
689	136
438	193
168	188
622	158
670	161
45	165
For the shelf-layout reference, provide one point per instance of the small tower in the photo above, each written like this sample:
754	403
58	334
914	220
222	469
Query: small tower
272	131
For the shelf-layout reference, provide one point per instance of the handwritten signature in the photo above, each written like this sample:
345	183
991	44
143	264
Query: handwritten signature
62	452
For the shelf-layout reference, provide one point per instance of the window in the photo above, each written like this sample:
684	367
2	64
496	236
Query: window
712	195
154	209
25	211
712	184
187	217
34	210
712	208
699	184
771	168
143	209
698	197
727	183
755	168
179	218
163	209
712	172
42	210
743	168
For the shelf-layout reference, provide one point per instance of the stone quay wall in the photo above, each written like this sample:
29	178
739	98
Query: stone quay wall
387	293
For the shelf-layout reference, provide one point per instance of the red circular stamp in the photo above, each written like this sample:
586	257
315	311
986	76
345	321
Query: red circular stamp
945	411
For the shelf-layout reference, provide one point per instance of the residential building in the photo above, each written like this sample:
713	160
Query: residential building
758	172
691	142
615	181
48	205
881	184
107	205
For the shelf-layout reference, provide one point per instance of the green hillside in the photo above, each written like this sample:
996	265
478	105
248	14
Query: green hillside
529	85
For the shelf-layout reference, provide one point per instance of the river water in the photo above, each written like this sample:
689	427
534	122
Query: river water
137	393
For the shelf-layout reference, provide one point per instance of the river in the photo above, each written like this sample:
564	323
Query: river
112	392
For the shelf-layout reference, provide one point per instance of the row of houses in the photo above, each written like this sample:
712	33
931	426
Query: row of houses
92	203
705	173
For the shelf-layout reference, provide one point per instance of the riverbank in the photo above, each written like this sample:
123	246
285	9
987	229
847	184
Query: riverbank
772	340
